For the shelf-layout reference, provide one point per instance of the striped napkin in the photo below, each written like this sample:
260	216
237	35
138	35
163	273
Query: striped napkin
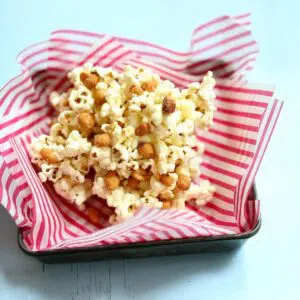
243	124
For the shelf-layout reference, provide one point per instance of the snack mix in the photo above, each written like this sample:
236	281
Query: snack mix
128	138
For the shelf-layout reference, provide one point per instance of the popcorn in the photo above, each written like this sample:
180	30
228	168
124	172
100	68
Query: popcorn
81	192
101	156
99	188
63	187
151	202
50	172
125	203
67	118
127	138
75	193
75	144
60	102
59	133
81	163
81	99
68	169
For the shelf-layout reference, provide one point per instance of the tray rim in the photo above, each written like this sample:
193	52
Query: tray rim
93	249
151	244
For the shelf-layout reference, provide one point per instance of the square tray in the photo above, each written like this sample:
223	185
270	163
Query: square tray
146	249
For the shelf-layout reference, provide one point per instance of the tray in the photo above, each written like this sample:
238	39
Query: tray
147	249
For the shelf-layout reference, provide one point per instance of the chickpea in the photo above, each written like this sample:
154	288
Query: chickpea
49	155
146	150
167	205
166	179
93	214
149	86
102	140
89	80
169	105
86	121
135	90
133	183
139	174
166	196
112	180
99	97
183	182
142	129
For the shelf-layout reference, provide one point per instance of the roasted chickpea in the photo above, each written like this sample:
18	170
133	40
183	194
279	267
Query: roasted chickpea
102	140
89	80
133	183
49	155
146	150
167	204
166	179
99	97
112	180
135	90
149	86
86	121
140	174
183	182
142	129
93	214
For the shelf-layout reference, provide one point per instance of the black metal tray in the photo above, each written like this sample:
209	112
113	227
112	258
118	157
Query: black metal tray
137	250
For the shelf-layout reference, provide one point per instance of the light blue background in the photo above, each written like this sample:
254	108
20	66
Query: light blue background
267	267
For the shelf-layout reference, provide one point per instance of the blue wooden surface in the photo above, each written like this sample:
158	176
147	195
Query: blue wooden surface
267	267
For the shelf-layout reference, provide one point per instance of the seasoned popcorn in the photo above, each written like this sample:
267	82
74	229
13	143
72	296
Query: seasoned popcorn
127	138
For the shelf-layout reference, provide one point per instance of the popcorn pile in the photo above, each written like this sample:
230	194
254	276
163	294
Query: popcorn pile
128	138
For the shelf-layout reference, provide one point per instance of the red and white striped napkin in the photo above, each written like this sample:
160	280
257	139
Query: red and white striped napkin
235	145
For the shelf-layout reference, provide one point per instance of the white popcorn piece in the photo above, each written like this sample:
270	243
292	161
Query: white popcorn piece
102	156
81	163
50	172
60	102
59	133
67	118
105	110
81	192
81	99
63	187
172	120
202	193
151	202
76	144
194	166
156	114
67	169
99	187
124	203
